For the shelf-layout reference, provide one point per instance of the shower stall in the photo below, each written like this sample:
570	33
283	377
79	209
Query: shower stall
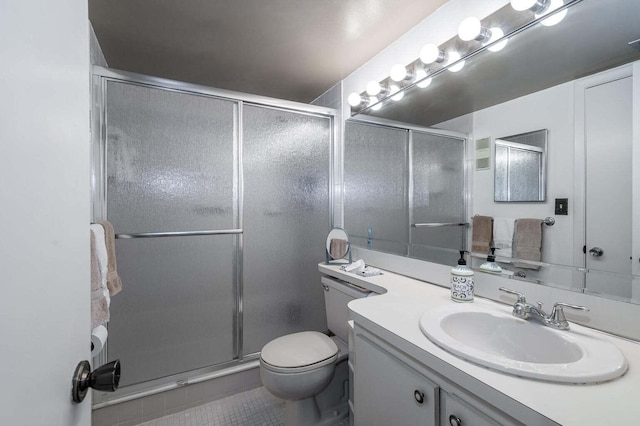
220	202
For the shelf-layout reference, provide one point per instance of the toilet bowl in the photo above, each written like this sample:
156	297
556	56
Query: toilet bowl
296	368
308	370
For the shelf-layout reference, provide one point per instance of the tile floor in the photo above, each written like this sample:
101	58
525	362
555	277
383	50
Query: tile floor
256	407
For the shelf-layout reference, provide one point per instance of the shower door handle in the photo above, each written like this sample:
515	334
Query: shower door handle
596	252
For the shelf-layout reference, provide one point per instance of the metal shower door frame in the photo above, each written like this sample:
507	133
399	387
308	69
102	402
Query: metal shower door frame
100	78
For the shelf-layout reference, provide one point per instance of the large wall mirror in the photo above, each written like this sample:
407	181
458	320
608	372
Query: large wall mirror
576	81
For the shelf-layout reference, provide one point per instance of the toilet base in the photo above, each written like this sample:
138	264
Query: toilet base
305	412
327	408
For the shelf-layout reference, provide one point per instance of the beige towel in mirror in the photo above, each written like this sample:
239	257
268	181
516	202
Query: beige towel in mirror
337	248
527	242
481	234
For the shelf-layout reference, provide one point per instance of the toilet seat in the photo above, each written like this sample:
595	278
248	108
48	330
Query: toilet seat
299	352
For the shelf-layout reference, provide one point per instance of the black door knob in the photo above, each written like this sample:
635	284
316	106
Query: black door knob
105	378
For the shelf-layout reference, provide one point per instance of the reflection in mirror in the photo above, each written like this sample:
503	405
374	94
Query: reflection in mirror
404	190
545	77
520	167
337	245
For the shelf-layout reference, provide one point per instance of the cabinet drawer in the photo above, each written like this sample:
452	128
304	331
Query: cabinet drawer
455	412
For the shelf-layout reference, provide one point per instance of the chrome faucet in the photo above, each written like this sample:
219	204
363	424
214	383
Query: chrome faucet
556	319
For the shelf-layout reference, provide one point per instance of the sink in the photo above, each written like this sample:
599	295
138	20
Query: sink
499	341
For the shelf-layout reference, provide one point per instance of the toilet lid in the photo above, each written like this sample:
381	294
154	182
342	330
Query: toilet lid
299	349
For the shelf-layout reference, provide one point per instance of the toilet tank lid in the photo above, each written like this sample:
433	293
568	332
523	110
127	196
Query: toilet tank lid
299	349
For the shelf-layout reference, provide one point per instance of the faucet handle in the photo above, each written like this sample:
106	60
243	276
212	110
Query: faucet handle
557	313
521	298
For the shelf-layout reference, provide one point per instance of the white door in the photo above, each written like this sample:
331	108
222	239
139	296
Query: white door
608	216
44	210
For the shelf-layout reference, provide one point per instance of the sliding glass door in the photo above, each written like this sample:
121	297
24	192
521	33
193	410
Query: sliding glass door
220	206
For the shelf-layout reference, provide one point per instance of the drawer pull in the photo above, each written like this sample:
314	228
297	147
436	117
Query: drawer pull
419	396
455	420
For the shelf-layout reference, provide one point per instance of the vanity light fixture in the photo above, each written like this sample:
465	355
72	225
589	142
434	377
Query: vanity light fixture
541	8
374	88
431	53
420	79
536	6
396	92
471	29
454	57
496	34
373	100
556	18
400	73
355	100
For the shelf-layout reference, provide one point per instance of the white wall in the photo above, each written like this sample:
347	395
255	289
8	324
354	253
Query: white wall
44	214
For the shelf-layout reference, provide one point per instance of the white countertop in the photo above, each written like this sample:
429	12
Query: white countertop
404	300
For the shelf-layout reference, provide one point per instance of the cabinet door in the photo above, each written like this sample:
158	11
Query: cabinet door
389	392
455	412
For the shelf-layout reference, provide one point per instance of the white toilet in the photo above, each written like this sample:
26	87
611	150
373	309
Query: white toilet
309	369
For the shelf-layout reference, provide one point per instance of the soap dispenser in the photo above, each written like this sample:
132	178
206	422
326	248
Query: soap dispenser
462	281
490	265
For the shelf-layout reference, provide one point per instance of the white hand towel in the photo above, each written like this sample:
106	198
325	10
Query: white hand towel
503	236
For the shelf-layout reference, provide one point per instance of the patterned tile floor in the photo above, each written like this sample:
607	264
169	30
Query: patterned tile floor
256	407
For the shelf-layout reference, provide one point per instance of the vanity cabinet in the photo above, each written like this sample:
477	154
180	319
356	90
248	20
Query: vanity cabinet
393	388
389	392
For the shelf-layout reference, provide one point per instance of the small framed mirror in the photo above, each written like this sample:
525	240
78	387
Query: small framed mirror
520	167
337	246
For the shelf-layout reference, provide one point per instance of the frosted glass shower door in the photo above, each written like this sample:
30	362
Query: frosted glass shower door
376	176
286	166
171	166
437	197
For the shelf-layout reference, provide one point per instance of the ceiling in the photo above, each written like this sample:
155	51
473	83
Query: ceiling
287	49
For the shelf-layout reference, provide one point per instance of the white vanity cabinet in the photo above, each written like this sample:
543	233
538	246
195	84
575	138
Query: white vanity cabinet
393	388
389	392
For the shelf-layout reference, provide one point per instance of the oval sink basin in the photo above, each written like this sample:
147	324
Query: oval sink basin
523	348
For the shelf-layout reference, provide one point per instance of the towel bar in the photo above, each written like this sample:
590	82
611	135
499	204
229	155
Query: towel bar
437	225
179	234
549	221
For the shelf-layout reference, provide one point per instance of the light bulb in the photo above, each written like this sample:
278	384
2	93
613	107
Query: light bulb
496	34
354	99
373	88
551	21
420	79
374	100
521	5
470	29
398	72
396	93
454	57
431	53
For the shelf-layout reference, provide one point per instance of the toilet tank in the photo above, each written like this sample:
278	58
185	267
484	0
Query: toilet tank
336	296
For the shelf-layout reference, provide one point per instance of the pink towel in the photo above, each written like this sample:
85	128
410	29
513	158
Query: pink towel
99	304
114	284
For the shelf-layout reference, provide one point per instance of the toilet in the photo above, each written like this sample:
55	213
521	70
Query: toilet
309	370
